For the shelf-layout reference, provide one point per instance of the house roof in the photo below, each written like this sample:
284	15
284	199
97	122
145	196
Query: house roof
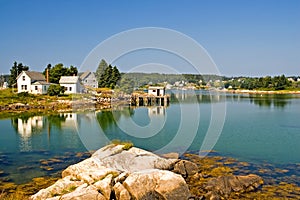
35	76
155	87
69	79
85	75
41	83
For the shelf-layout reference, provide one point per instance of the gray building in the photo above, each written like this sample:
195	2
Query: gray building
89	80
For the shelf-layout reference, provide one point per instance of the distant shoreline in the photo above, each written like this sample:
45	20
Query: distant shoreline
260	91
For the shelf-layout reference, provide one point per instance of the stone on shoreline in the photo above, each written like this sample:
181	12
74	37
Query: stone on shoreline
224	186
114	171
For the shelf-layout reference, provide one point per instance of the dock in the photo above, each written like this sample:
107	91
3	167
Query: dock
156	96
149	100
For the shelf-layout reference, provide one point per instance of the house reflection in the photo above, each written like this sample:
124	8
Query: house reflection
70	121
26	127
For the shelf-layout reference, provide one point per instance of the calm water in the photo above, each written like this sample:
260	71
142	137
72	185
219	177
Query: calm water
257	128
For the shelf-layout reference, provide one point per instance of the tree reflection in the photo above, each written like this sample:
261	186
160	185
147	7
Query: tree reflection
270	100
107	118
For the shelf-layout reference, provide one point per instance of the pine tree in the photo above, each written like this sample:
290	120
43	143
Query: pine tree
15	71
101	70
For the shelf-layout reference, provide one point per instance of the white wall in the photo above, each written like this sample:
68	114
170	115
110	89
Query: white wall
41	89
21	82
75	87
153	91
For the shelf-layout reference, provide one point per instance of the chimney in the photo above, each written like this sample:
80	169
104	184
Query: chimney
47	75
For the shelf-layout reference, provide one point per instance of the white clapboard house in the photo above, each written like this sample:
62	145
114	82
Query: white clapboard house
32	82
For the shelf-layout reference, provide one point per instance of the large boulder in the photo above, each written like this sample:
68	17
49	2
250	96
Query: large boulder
116	172
115	159
59	187
156	184
185	168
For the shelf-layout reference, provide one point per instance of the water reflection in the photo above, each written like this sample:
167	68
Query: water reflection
107	118
70	120
269	101
156	111
26	127
207	97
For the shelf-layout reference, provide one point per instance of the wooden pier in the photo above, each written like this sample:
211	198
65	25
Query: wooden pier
149	100
156	96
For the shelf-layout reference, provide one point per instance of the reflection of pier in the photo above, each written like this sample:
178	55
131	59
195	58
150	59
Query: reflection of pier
154	97
156	111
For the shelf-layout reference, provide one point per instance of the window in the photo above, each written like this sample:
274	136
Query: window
86	81
153	90
70	88
45	87
36	87
24	87
23	77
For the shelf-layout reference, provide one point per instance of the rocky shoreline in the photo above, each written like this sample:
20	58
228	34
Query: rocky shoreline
122	172
210	177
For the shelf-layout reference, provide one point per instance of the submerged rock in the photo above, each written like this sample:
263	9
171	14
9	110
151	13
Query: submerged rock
224	186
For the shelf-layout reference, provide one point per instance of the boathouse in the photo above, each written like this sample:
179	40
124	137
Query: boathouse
156	91
156	96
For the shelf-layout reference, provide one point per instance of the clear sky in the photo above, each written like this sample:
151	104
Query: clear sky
243	37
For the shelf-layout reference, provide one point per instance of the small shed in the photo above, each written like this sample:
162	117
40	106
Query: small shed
71	84
157	91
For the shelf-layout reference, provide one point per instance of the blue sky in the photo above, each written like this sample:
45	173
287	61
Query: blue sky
243	37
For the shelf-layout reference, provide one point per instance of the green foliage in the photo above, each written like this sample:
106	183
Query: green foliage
109	78
24	95
126	85
55	90
16	69
262	83
59	70
101	69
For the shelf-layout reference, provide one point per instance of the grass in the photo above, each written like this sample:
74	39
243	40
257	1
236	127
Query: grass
127	144
10	96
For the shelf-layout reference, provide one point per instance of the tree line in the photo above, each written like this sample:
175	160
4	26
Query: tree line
109	76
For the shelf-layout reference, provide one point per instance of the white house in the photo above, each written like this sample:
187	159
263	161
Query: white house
32	82
71	83
89	79
156	90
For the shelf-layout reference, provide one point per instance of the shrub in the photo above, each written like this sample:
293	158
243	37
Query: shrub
55	90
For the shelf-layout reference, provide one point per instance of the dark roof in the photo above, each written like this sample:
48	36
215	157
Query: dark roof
35	76
85	74
41	83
